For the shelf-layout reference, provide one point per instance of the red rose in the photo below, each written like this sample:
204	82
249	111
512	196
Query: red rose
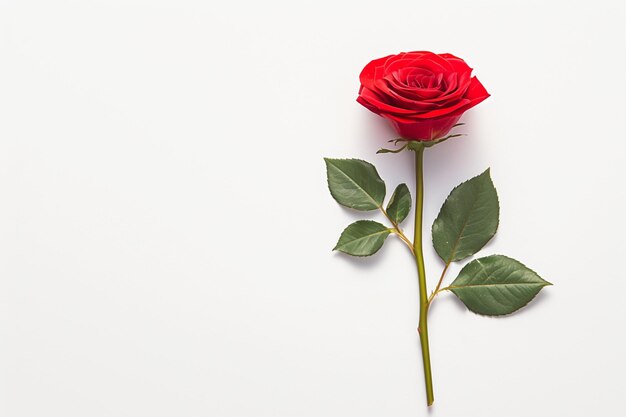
423	94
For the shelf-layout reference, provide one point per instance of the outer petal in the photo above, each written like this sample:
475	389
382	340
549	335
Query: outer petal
476	92
368	74
372	99
459	107
457	63
426	130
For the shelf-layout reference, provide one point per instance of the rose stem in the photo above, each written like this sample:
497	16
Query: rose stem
421	272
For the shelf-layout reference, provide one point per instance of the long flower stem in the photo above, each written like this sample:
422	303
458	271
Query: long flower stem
421	272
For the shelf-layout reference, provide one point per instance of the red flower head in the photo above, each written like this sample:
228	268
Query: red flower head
423	94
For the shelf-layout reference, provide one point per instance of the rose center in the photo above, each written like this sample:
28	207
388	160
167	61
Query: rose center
434	81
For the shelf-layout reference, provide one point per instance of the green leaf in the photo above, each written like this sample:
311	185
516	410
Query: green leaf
468	219
362	238
400	204
355	183
496	285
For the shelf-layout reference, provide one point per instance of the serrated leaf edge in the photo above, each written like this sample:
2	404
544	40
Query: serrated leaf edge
392	199
451	288
328	162
387	232
488	172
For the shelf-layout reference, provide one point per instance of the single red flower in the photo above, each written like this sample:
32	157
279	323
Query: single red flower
423	94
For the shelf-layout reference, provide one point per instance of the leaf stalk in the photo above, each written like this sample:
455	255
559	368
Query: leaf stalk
396	230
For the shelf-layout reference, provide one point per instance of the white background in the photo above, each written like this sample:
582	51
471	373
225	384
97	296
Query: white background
165	226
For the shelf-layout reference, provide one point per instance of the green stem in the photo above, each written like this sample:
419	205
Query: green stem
421	272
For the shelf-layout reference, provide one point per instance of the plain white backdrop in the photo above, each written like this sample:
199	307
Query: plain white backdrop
166	230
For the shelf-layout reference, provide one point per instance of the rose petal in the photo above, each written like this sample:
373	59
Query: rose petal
461	106
371	97
368	74
476	92
457	63
457	94
426	130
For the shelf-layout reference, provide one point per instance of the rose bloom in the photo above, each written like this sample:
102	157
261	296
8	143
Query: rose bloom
423	94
